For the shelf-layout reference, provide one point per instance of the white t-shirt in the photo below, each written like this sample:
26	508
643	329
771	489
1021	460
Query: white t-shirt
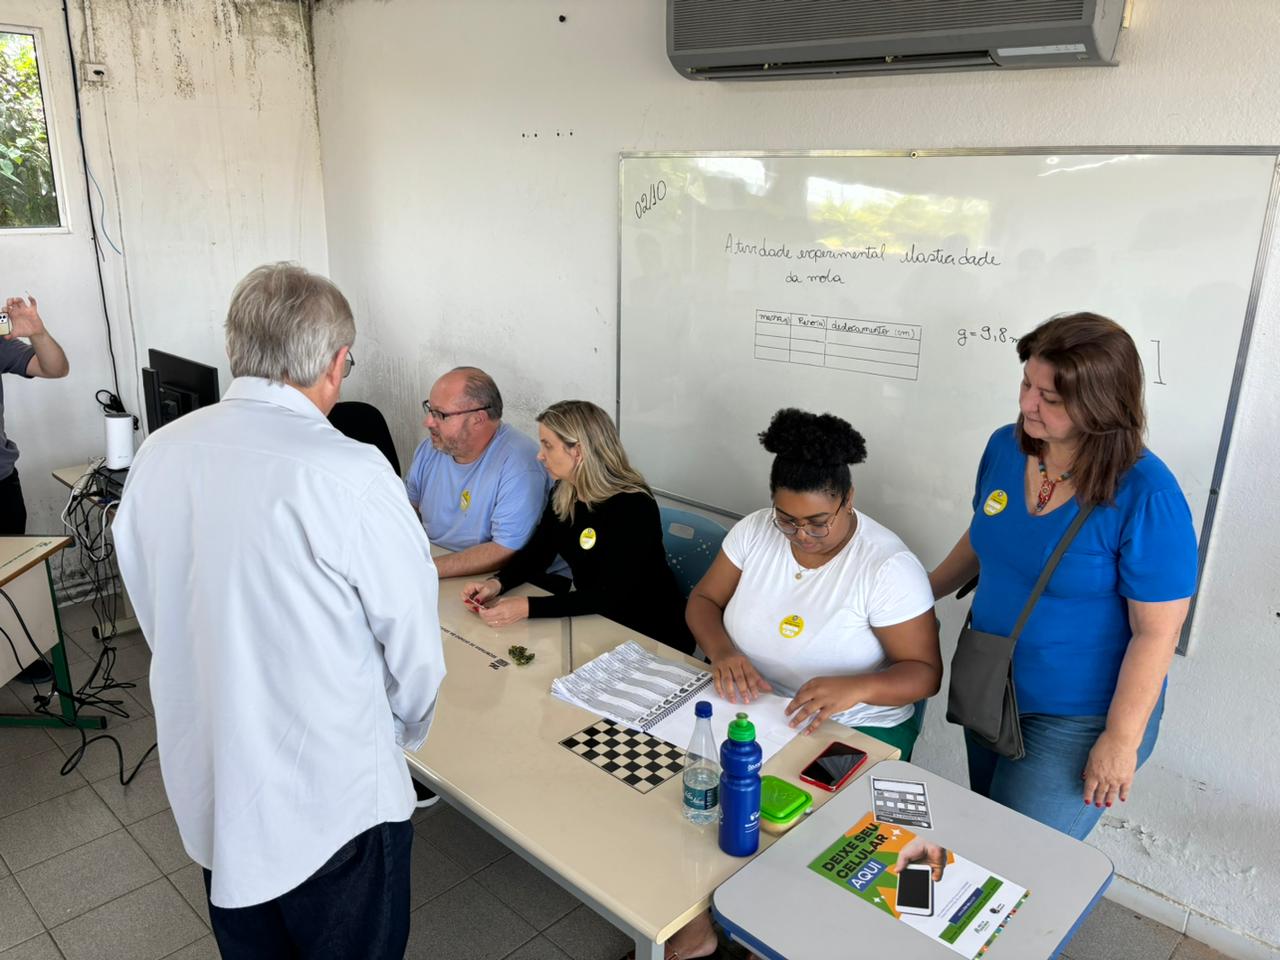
820	625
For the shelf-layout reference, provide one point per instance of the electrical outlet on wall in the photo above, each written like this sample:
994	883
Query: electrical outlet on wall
93	73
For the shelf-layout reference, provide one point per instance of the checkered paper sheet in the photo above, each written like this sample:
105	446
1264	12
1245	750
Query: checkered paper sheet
639	760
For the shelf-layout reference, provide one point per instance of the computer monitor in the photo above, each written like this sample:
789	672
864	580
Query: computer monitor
174	386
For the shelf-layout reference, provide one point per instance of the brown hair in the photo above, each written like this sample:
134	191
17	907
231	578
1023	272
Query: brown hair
1098	374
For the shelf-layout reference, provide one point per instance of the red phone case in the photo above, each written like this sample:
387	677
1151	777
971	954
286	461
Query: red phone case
843	780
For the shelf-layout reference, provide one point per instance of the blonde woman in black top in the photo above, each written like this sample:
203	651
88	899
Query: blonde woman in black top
602	519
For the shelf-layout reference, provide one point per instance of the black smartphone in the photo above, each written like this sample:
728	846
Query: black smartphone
833	766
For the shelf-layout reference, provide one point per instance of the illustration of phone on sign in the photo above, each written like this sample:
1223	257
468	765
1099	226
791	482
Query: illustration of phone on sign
915	890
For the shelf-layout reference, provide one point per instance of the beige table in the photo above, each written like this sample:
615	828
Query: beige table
69	477
494	750
27	581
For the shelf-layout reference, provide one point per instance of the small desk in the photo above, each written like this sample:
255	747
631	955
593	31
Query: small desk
26	578
780	908
494	750
69	477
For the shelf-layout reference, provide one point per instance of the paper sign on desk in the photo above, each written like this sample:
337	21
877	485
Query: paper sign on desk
971	905
634	687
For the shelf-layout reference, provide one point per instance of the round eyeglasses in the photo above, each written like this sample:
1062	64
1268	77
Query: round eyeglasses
816	531
790	529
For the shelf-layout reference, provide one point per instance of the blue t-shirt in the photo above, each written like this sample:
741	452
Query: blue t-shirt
1142	547
497	497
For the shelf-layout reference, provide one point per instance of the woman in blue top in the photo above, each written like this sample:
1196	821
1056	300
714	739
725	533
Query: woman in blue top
1089	669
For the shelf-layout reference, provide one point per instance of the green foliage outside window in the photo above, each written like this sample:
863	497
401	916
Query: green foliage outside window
27	194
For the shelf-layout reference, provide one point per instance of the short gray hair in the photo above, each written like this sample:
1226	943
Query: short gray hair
286	324
481	391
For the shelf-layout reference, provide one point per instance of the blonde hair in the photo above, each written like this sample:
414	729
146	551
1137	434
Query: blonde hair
604	469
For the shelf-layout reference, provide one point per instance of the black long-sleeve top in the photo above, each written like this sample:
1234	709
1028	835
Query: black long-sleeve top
619	568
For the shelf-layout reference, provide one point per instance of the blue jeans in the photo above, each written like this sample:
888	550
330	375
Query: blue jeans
355	907
1045	784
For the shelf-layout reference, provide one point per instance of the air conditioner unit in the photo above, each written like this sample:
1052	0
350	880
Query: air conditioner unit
763	39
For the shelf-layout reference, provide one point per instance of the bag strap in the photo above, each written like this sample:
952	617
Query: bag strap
1049	567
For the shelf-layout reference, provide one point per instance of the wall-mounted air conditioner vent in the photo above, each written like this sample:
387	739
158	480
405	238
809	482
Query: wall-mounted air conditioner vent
759	39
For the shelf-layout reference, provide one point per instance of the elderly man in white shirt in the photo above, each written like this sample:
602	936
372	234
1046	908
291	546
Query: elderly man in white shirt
289	598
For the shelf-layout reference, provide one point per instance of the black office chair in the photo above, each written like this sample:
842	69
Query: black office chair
365	422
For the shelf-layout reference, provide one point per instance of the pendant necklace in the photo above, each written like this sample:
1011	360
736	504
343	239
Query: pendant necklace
1047	487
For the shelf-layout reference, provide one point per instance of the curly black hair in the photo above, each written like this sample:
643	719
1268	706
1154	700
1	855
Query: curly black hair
812	452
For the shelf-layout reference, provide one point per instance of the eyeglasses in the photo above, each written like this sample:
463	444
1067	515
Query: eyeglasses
347	365
441	416
789	528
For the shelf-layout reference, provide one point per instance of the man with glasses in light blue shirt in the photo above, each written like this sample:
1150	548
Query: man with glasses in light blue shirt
475	481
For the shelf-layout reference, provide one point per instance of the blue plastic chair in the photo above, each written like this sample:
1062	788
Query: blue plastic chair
692	542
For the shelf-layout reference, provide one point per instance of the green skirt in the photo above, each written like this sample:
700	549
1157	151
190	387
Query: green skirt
903	736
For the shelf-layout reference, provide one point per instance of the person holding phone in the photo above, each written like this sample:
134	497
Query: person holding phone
603	520
814	600
40	356
1090	665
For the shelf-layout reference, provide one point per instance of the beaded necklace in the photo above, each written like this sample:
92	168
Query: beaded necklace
1047	486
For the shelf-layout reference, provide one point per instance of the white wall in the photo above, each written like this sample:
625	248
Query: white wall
205	144
462	237
52	421
207	130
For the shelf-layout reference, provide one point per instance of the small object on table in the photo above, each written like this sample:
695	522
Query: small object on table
520	655
782	804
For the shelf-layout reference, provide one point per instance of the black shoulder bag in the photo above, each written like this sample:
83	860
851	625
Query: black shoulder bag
981	696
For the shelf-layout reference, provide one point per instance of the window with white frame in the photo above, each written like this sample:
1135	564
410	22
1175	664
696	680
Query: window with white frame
28	195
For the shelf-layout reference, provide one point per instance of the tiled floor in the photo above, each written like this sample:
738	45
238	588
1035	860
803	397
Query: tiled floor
90	870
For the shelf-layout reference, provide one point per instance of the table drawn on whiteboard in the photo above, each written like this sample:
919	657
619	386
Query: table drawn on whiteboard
839	343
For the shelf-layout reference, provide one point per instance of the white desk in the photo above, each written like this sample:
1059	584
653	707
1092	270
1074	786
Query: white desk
494	750
780	908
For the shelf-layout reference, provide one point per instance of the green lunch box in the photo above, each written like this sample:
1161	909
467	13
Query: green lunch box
782	804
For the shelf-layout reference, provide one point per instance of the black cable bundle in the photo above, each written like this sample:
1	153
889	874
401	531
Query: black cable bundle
85	517
89	694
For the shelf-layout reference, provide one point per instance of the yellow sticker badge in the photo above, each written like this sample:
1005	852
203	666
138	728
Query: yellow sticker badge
995	503
792	626
464	501
587	539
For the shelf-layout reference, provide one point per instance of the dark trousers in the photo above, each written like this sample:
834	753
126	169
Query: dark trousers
355	907
13	510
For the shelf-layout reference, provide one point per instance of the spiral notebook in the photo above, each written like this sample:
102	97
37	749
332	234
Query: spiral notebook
637	688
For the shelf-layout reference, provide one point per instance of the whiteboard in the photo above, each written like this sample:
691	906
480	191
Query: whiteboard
891	289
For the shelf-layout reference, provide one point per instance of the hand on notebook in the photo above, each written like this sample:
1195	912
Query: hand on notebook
819	698
737	679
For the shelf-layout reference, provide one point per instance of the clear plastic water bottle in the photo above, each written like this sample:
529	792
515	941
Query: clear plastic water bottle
701	770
